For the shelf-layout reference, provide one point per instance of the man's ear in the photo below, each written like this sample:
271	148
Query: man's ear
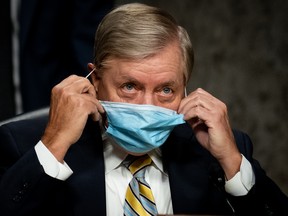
90	66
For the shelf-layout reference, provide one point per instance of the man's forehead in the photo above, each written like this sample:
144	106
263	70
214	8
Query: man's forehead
144	65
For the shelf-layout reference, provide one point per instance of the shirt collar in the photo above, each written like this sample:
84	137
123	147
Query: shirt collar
114	155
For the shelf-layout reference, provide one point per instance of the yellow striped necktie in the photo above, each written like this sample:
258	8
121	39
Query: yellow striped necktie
139	199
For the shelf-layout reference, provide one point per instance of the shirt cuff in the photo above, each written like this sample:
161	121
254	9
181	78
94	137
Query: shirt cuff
51	165
243	181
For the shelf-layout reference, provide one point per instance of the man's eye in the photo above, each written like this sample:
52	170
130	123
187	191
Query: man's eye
129	86
167	90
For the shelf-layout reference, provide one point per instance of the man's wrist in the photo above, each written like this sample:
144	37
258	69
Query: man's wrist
51	165
242	181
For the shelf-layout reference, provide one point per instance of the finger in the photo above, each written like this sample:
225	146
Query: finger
71	85
194	103
96	110
67	81
193	99
198	114
96	103
80	86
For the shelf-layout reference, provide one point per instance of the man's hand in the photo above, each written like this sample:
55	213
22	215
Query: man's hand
209	119
72	101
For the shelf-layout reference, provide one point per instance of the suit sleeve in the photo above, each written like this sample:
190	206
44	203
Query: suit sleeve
265	197
23	182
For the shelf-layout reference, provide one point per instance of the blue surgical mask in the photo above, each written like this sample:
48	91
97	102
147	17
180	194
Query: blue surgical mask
140	128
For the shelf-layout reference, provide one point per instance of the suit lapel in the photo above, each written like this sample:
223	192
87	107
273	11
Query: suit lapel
88	180
187	164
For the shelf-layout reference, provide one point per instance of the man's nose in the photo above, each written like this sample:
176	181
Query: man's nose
148	99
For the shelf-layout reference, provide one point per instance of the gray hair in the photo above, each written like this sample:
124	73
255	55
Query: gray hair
136	31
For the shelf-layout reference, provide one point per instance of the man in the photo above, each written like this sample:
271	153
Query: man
142	64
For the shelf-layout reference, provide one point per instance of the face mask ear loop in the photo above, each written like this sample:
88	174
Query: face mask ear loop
185	91
90	73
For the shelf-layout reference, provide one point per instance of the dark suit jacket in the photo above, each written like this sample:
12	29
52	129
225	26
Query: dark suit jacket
196	180
56	40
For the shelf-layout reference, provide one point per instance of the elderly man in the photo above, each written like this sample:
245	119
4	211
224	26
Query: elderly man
131	141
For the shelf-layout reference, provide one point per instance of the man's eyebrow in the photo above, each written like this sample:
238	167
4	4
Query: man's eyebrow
132	79
171	83
168	83
128	78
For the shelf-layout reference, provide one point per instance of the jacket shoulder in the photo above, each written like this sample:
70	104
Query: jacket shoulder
22	132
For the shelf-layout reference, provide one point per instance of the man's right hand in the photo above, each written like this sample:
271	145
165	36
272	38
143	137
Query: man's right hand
72	101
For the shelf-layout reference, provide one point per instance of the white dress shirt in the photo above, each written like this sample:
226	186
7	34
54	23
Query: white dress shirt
117	177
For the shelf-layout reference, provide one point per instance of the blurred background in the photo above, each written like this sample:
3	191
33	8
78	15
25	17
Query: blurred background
241	57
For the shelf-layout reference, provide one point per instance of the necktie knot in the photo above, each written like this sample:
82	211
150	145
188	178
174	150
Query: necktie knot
137	165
